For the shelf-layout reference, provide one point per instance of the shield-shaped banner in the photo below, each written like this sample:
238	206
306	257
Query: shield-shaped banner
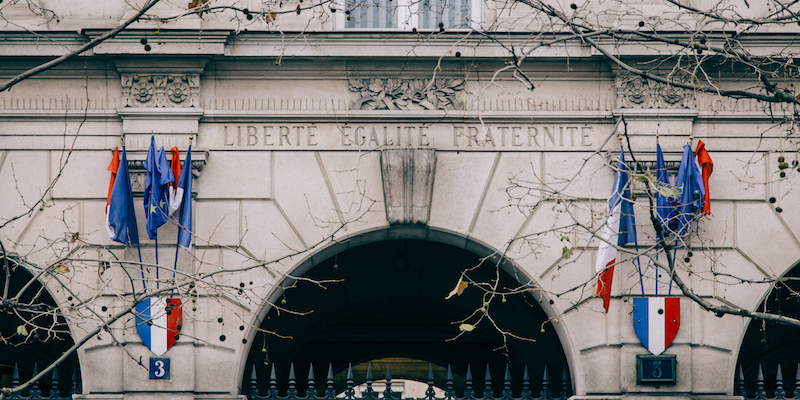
158	322
656	321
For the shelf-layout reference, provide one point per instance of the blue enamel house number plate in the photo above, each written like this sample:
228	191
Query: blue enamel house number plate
656	370
159	368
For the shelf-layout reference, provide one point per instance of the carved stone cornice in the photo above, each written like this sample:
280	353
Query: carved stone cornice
160	90
633	91
407	94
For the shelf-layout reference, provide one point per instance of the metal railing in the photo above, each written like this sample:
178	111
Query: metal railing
561	391
761	393
55	392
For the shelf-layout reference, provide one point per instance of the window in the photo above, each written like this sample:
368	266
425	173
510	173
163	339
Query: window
407	14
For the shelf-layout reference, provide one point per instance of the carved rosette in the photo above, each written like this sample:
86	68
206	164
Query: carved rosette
407	94
160	90
633	91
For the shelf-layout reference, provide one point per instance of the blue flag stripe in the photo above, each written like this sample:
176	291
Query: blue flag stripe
142	316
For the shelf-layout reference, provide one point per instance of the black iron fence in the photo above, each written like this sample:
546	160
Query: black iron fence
472	391
54	393
778	391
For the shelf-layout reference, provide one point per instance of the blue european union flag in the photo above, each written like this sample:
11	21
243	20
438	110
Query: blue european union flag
690	182
665	206
159	176
121	217
622	195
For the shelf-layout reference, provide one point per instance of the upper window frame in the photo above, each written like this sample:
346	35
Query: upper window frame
406	10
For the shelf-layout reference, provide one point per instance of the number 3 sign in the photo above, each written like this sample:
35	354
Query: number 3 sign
159	368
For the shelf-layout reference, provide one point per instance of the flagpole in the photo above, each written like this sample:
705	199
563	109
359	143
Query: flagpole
636	241
130	192
177	245
659	149
157	265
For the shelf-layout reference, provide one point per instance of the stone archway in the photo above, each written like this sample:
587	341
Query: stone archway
386	300
42	346
769	344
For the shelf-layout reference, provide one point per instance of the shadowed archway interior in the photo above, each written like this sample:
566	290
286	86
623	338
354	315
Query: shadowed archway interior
386	301
769	344
47	337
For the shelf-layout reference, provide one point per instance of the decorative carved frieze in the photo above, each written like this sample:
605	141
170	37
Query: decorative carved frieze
160	90
633	91
407	94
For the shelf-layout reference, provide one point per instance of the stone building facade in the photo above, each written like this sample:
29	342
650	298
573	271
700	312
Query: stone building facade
319	136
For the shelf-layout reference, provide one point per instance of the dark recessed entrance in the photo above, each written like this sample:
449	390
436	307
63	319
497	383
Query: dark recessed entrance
769	344
47	337
388	302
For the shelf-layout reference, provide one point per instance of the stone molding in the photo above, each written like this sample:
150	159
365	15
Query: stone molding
160	90
633	91
407	94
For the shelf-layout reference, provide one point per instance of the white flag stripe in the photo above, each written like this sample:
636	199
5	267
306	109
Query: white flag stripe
655	325
158	331
606	252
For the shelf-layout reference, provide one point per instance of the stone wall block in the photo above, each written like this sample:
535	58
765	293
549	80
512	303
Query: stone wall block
763	237
230	175
457	188
356	183
302	193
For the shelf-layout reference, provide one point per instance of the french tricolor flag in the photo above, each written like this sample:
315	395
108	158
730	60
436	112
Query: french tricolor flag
656	321
158	322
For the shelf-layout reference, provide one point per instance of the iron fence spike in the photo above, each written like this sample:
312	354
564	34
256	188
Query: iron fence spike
15	376
545	393
761	394
311	389
54	390
740	383
349	372
387	392
488	393
330	392
253	383
349	392
780	393
291	392
526	384
797	383
74	386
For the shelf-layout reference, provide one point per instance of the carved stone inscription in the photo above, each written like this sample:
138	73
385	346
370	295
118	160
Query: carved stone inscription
505	137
